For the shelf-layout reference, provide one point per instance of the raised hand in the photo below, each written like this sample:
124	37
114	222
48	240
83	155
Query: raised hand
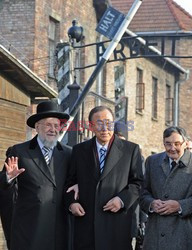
12	168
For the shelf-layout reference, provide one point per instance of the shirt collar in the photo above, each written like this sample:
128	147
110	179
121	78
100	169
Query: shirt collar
99	146
41	145
177	161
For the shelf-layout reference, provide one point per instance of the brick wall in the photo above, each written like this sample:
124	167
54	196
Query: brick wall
17	27
185	102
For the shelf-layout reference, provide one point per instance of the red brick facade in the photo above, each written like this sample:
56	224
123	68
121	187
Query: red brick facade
25	24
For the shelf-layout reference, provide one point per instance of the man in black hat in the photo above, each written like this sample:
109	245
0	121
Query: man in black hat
40	167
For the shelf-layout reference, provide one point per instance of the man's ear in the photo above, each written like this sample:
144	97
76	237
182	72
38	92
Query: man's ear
91	126
36	126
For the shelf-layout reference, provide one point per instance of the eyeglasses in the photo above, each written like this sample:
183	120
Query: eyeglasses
105	124
176	144
50	125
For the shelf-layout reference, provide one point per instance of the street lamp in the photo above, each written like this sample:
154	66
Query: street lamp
75	32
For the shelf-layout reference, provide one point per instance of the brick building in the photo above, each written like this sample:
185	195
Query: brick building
32	35
144	87
168	19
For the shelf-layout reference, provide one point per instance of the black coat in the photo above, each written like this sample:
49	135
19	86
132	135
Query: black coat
6	210
39	218
122	176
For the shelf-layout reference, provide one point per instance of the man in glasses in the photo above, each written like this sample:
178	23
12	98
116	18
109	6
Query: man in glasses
108	172
167	195
39	168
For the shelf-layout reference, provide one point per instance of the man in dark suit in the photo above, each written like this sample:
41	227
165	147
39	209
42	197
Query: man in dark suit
167	195
109	174
40	167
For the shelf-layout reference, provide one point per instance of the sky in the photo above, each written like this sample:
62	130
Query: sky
185	4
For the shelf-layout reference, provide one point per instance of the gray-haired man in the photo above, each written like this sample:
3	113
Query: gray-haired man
167	195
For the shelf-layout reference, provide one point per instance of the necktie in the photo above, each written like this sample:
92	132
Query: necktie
102	152
173	164
46	154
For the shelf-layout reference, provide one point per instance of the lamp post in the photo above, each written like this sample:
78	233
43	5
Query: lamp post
75	34
65	75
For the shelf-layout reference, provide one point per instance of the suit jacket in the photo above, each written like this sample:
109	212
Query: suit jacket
39	218
122	176
171	231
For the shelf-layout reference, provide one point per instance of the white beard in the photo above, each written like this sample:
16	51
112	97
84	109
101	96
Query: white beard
49	144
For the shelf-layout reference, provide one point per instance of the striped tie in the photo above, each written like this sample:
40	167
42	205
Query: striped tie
102	152
46	154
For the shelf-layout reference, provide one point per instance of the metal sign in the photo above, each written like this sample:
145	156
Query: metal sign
153	46
110	22
63	78
113	44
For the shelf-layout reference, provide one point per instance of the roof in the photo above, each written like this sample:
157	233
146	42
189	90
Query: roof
23	77
156	15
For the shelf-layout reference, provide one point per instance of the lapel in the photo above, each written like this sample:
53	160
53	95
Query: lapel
113	157
183	163
165	165
92	157
185	160
57	160
38	158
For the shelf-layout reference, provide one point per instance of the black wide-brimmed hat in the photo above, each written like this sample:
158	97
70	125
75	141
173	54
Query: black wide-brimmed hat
44	110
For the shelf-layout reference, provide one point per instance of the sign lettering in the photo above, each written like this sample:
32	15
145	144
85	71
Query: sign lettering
167	48
110	22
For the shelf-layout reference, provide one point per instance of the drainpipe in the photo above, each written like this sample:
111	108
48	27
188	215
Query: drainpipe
176	97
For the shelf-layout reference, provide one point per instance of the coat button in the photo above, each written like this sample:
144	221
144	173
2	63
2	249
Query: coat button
162	234
166	196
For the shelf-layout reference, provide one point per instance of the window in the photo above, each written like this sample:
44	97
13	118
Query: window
53	38
140	91
154	97
168	105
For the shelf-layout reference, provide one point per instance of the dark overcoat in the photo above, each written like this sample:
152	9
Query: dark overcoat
39	218
168	232
6	210
122	177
